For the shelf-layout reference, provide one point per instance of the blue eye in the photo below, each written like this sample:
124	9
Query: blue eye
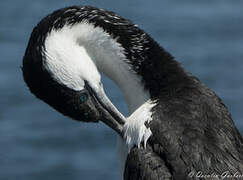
84	97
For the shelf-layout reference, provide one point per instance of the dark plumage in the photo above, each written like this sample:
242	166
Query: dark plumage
192	130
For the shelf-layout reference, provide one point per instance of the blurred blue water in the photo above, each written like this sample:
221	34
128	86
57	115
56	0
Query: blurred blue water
38	143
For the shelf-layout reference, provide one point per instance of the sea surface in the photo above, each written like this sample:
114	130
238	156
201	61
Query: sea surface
37	143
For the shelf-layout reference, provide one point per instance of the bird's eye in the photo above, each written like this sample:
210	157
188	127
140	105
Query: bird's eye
84	97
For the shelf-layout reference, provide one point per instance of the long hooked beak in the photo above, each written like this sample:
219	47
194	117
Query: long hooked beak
110	115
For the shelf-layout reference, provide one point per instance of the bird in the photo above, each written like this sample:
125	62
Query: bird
177	127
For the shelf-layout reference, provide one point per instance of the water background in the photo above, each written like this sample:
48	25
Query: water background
38	143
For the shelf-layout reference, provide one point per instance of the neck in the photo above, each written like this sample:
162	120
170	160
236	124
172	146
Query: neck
108	57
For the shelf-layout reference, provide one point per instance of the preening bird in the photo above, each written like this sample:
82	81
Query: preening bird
177	126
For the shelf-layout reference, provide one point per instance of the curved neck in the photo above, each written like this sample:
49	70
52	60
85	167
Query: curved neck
106	54
109	57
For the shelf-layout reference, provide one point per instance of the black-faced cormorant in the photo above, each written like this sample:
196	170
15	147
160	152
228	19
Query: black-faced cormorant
178	128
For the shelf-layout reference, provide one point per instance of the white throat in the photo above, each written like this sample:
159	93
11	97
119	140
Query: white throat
76	53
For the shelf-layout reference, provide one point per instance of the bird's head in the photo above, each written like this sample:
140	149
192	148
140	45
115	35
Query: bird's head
58	70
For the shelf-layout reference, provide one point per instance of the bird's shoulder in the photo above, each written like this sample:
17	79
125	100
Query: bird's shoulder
193	131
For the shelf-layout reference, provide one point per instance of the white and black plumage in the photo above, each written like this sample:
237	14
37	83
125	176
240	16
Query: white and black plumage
177	125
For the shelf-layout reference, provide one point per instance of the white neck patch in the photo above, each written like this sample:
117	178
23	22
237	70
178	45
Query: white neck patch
68	62
74	53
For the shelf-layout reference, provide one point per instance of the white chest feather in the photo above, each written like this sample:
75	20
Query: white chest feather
135	132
